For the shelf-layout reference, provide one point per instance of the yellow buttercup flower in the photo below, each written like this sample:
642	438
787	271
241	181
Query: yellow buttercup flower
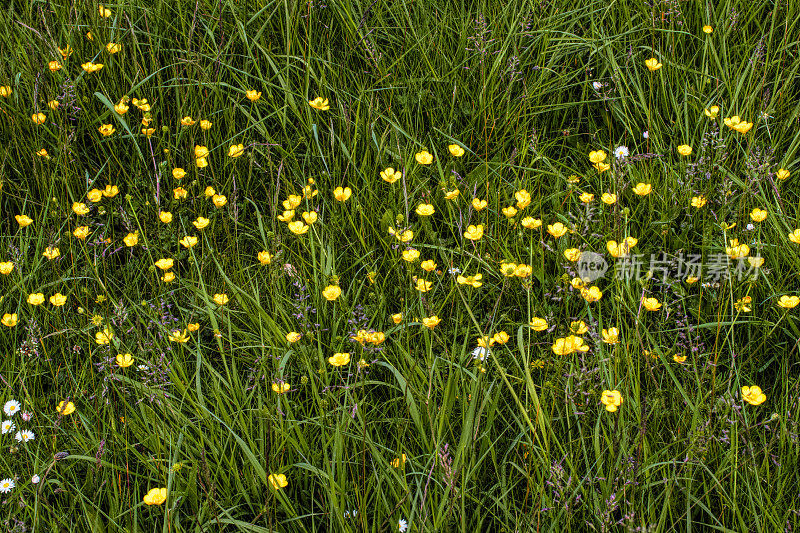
193	326
736	250
5	91
331	292
113	48
474	233
685	150
168	277
782	174
424	157
293	337
165	263
753	395
220	298
474	280
104	12
178	336
9	320
556	230
235	150
155	496
612	399
410	255
90	67
455	150
608	198
150	131
286	216
53	104
6	267
81	232
699	201
200	151
104	336
188	241
642	189
187	121
201	222
179	193
281	388
37	298
205	125
264	257
341	194
795	236
758	215
424	286
124	360
611	336
110	191
597	156
531	223
451	195
601	167
478	204
106	129
538	324
651	304
178	173
586	197
209	192
339	359
652	64
428	265
397	318
65	408
788	302
592	294
431	321
54	66
572	254
253	95
568	345
712	112
219	200
38	118
51	252
707	29
319	103
58	299
425	210
80	208
43	153
509	211
391	175
523	198
131	239
277	481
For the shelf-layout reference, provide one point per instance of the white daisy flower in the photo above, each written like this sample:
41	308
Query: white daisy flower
7	426
24	436
621	152
454	270
402	525
11	407
35	479
143	367
6	485
480	353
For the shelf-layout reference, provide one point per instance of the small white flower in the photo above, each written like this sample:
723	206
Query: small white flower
750	226
24	435
143	367
36	479
11	407
6	485
597	85
621	152
646	134
454	270
402	525
480	353
7	426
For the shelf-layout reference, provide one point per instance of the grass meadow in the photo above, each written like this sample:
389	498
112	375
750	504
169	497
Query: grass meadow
332	265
